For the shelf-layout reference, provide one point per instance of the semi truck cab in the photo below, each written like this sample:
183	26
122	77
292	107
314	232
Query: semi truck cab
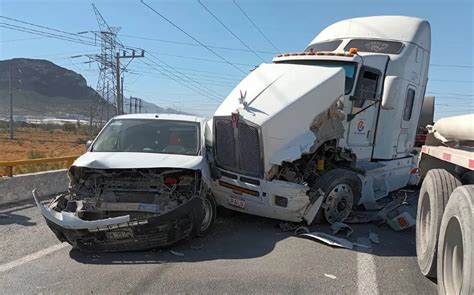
331	127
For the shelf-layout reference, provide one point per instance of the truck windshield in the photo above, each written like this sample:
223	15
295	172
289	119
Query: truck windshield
149	136
349	68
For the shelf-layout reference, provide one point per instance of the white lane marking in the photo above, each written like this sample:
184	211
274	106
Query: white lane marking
12	264
366	274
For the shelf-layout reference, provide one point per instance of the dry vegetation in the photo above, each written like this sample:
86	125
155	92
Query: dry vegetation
40	142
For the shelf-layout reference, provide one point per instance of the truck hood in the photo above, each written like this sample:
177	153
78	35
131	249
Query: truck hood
294	106
124	160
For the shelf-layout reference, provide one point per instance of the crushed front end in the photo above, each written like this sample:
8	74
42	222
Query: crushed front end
126	209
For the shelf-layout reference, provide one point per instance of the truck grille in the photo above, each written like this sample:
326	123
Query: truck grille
238	151
225	143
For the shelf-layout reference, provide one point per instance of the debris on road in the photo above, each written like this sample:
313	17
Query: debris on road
301	230
402	221
330	276
374	238
197	247
329	239
398	214
339	226
288	226
176	253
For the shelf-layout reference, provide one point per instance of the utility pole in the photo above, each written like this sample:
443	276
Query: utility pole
107	105
121	94
11	103
130	104
117	76
91	114
125	55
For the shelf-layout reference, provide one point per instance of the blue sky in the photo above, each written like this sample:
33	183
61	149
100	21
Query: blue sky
290	25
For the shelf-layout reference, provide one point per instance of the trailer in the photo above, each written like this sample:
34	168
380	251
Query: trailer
445	217
326	130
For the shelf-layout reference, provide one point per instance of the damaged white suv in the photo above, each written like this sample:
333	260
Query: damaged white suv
143	183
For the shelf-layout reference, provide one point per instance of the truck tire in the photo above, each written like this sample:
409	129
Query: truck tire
341	194
434	194
456	244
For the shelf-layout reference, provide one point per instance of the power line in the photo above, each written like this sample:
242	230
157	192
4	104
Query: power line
45	27
45	34
256	27
178	79
190	36
200	58
223	79
229	30
447	93
456	81
451	66
196	45
185	75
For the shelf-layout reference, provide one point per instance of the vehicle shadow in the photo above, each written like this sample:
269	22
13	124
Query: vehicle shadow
12	218
235	236
241	236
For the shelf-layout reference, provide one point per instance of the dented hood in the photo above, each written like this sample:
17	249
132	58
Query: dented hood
286	102
124	160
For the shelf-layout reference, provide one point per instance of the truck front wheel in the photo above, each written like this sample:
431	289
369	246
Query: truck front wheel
341	193
434	194
456	244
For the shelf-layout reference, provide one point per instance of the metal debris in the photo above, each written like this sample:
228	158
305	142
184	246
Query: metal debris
402	221
288	226
329	239
330	276
339	226
197	247
176	253
301	230
374	238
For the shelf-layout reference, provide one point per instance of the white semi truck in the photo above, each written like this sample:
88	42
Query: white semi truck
330	128
445	219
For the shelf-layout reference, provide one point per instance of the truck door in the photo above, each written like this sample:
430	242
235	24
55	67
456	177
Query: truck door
365	105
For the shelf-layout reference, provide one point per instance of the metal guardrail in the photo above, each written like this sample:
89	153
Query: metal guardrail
10	164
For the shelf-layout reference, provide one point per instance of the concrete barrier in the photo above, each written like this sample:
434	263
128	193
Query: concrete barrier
19	187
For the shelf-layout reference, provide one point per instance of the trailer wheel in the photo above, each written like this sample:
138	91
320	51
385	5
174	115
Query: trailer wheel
341	193
209	216
456	244
434	194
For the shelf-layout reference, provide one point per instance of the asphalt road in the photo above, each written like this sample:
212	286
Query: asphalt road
244	254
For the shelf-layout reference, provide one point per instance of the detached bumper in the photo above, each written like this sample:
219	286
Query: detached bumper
121	233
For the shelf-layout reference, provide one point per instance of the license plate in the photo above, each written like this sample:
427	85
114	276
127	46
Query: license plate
119	234
236	202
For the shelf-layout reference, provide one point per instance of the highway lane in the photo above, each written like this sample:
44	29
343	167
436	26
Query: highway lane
244	254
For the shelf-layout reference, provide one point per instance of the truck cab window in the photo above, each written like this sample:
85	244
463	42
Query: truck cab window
350	69
367	88
409	104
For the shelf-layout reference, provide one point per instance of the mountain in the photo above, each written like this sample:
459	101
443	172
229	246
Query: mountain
42	88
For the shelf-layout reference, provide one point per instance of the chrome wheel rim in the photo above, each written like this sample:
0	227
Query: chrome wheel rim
338	203
206	221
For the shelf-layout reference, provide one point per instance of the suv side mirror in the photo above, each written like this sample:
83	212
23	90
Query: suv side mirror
391	90
88	144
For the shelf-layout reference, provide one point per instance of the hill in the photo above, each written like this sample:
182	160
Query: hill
42	88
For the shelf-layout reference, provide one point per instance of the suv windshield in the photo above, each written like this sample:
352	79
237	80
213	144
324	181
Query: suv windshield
149	136
349	68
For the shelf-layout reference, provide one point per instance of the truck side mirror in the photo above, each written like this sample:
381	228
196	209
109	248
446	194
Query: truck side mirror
88	144
390	94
